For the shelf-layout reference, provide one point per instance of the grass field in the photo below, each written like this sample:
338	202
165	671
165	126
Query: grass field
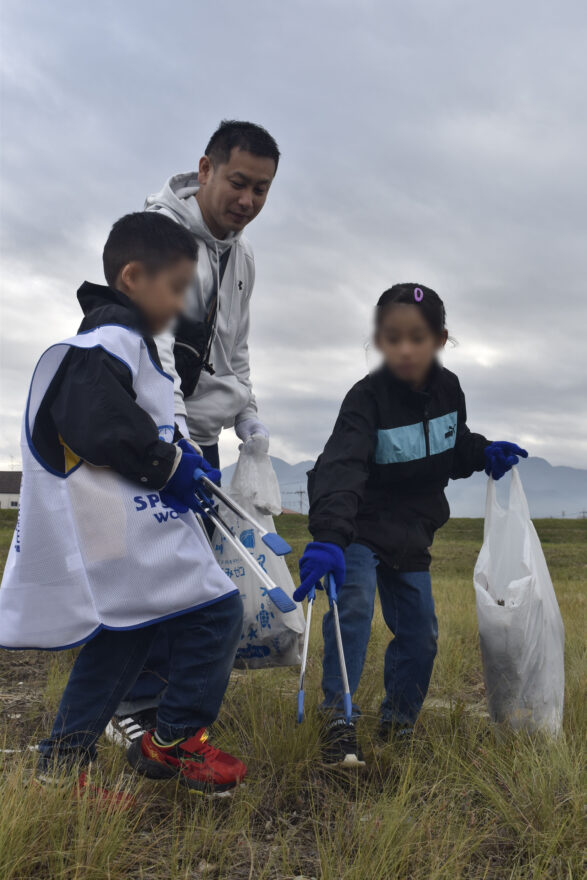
465	801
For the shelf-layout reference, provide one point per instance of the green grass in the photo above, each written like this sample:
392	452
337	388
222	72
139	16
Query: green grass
466	801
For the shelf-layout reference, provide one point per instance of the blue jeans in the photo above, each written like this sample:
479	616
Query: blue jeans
147	690
203	646
408	611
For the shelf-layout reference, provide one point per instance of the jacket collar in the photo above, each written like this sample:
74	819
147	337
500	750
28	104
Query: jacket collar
403	388
95	296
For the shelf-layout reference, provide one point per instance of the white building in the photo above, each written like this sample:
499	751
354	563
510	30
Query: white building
9	489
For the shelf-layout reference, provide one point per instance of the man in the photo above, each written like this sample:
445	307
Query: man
207	353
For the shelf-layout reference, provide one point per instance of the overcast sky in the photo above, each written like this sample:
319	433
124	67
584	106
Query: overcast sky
440	141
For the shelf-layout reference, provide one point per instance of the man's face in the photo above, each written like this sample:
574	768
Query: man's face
159	294
232	194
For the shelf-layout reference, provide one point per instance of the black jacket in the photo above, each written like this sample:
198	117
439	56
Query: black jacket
380	480
90	404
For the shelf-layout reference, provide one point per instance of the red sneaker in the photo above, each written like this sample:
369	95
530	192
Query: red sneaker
104	796
84	787
195	763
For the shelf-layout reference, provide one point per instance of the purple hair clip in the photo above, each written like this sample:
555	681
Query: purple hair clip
418	294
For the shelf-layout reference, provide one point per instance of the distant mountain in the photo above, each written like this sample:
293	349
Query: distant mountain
550	490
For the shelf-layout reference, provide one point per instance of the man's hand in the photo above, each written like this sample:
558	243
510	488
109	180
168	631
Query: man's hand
248	427
501	456
319	559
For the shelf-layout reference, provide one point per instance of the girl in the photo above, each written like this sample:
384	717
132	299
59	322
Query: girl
376	500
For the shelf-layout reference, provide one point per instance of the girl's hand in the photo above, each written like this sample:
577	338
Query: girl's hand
319	559
501	456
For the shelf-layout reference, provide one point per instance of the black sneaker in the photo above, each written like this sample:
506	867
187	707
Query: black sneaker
396	732
340	747
123	730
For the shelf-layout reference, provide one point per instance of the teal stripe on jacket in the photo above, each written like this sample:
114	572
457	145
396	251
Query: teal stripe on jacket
408	443
442	433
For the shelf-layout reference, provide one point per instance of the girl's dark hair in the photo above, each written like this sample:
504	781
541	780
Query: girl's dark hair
426	299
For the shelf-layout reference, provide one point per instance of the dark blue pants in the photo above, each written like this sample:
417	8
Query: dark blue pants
203	646
408	611
147	690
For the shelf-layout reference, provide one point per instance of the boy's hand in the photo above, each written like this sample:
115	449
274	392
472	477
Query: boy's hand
190	446
178	493
501	456
318	560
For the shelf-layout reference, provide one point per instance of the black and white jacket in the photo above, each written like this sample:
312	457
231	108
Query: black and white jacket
90	406
381	478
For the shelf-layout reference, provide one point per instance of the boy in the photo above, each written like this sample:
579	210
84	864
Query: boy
107	543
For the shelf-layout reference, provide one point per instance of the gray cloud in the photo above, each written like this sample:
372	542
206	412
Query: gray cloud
441	142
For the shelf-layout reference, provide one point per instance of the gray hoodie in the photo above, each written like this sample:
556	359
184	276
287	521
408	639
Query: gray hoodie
225	398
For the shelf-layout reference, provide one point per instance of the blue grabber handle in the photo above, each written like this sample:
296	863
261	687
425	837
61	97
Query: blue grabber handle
199	488
198	474
331	590
346	694
301	692
301	698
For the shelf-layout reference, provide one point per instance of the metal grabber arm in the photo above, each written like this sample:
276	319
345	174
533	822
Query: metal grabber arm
347	698
272	540
346	694
278	596
301	691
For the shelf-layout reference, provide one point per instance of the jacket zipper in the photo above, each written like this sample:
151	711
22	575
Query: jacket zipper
427	432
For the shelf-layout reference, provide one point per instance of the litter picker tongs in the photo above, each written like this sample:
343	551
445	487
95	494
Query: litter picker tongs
206	491
346	694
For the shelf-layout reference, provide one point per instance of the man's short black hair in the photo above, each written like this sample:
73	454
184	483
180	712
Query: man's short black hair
246	136
149	238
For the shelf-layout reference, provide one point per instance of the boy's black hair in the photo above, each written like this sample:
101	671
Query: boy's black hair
149	238
246	136
426	299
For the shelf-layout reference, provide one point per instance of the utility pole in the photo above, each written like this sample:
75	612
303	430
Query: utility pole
300	493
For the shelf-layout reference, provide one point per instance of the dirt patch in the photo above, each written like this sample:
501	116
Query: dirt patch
23	676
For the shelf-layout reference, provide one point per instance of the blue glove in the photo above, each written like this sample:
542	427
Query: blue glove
500	457
212	473
318	560
178	493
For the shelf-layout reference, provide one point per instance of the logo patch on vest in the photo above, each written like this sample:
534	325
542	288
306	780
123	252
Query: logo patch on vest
150	502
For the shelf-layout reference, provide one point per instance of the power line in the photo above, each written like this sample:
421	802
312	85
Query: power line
301	496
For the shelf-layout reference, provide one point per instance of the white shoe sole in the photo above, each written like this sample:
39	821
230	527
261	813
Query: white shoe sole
349	762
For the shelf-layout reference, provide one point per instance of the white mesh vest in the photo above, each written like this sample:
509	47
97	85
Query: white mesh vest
92	549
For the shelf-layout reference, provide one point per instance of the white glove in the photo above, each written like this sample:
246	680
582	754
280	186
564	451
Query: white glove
256	444
248	427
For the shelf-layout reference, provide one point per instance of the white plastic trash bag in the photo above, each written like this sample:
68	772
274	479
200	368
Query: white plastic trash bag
254	478
520	626
269	638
